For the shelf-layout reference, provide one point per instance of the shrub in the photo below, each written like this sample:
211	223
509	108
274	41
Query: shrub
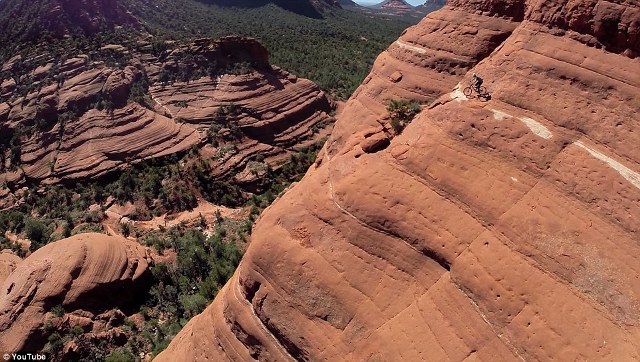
402	113
37	232
57	310
77	331
193	304
120	355
126	229
55	342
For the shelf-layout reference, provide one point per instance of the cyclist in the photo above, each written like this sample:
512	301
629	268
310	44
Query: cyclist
476	82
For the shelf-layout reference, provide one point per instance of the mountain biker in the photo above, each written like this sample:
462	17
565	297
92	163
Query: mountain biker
476	82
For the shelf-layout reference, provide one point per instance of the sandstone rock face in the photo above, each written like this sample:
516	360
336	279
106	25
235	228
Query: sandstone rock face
491	230
92	272
118	84
8	263
73	137
375	142
273	111
79	119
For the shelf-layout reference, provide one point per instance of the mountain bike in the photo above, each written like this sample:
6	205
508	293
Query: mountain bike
481	91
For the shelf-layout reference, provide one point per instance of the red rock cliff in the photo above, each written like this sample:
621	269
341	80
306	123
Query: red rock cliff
492	230
66	132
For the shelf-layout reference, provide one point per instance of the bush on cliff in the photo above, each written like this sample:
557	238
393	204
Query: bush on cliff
402	112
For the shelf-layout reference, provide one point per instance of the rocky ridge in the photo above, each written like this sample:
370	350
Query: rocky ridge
80	118
394	5
497	229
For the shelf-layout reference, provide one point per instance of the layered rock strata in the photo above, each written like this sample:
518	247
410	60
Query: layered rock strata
81	119
86	274
490	229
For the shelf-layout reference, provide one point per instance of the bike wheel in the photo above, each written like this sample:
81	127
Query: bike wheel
484	94
468	91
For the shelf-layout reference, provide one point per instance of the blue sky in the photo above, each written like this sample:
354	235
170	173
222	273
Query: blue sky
369	2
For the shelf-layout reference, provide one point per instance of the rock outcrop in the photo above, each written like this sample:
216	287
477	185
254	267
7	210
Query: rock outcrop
88	274
273	111
498	229
432	5
75	126
78	118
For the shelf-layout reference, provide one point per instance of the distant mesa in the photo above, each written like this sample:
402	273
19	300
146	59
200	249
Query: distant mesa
347	3
394	5
403	9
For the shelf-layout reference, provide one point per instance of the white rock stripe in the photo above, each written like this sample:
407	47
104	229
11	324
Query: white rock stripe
410	47
500	116
458	94
630	175
536	127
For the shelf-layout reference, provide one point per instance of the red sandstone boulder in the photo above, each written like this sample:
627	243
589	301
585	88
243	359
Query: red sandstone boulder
375	143
87	271
119	83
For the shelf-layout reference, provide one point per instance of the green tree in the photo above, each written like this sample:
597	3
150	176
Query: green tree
120	355
37	232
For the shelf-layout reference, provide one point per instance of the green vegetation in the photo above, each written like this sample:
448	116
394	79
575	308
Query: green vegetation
37	232
120	355
55	343
10	147
336	52
402	113
159	186
57	310
203	266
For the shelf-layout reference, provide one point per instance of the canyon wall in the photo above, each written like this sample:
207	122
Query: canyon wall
490	229
82	118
